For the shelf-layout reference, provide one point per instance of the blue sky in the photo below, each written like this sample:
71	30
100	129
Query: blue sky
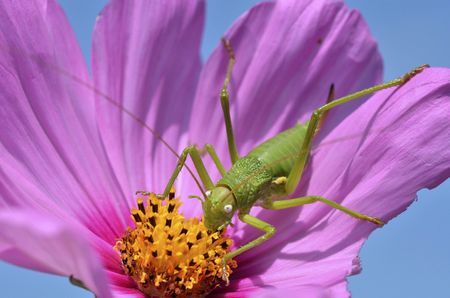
410	257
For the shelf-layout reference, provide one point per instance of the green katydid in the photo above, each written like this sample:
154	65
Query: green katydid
261	176
268	173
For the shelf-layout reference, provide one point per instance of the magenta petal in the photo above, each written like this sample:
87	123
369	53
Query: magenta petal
127	292
309	291
391	147
272	291
52	246
146	57
288	53
49	139
373	162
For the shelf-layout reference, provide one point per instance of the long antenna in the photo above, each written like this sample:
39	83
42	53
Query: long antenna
121	107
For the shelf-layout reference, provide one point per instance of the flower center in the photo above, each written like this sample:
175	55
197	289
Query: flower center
169	255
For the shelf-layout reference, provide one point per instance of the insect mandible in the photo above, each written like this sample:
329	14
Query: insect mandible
262	177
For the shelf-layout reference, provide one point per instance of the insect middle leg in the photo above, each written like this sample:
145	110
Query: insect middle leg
297	170
277	205
283	204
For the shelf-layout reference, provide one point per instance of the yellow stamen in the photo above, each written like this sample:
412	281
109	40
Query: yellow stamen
168	255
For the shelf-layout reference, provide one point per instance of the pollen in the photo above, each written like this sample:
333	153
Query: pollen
169	255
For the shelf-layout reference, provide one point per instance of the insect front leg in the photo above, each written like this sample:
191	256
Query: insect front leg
191	150
300	162
256	223
225	102
277	205
213	154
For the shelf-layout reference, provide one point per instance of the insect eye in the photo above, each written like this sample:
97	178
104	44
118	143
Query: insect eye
208	193
228	208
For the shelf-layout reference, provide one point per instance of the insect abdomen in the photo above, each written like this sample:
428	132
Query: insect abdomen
278	153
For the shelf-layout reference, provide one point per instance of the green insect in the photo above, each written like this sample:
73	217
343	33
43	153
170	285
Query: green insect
264	176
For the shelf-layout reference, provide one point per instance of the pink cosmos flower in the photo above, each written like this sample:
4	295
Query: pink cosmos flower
71	160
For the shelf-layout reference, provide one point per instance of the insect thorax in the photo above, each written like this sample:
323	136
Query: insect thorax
250	181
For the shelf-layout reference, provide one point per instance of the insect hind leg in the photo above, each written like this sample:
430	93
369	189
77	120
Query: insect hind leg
300	162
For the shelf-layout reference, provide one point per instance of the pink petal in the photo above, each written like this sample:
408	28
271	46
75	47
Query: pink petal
309	291
48	244
128	292
288	53
373	162
146	57
51	155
